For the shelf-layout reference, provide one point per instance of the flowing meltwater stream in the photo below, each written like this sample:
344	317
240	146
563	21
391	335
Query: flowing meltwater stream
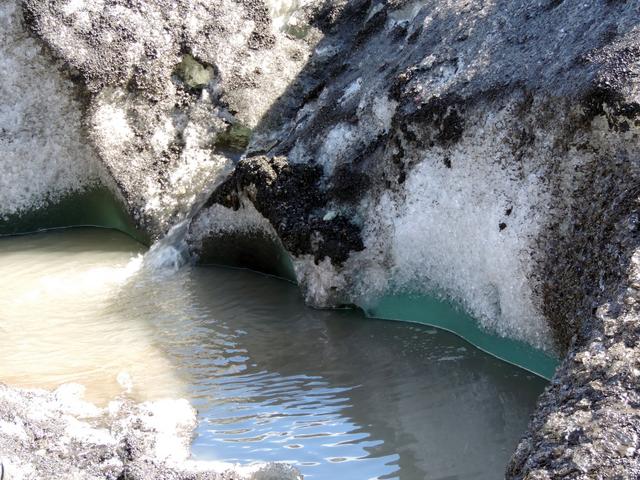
336	394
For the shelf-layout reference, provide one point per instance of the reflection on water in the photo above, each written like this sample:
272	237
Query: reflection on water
341	396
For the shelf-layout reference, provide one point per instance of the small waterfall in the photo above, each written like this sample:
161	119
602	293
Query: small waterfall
171	252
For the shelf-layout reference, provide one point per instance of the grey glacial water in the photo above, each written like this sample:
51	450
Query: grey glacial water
339	395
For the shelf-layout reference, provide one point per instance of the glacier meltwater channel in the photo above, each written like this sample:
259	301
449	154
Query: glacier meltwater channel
334	393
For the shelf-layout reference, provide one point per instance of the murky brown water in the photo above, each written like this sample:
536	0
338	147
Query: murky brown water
341	396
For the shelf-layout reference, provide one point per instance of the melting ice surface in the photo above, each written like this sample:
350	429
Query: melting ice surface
340	396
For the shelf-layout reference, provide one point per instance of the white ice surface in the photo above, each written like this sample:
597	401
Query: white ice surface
43	154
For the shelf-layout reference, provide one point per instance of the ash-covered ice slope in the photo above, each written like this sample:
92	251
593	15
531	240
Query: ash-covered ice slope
481	149
160	97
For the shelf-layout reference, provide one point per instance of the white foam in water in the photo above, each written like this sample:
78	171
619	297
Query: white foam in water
42	152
